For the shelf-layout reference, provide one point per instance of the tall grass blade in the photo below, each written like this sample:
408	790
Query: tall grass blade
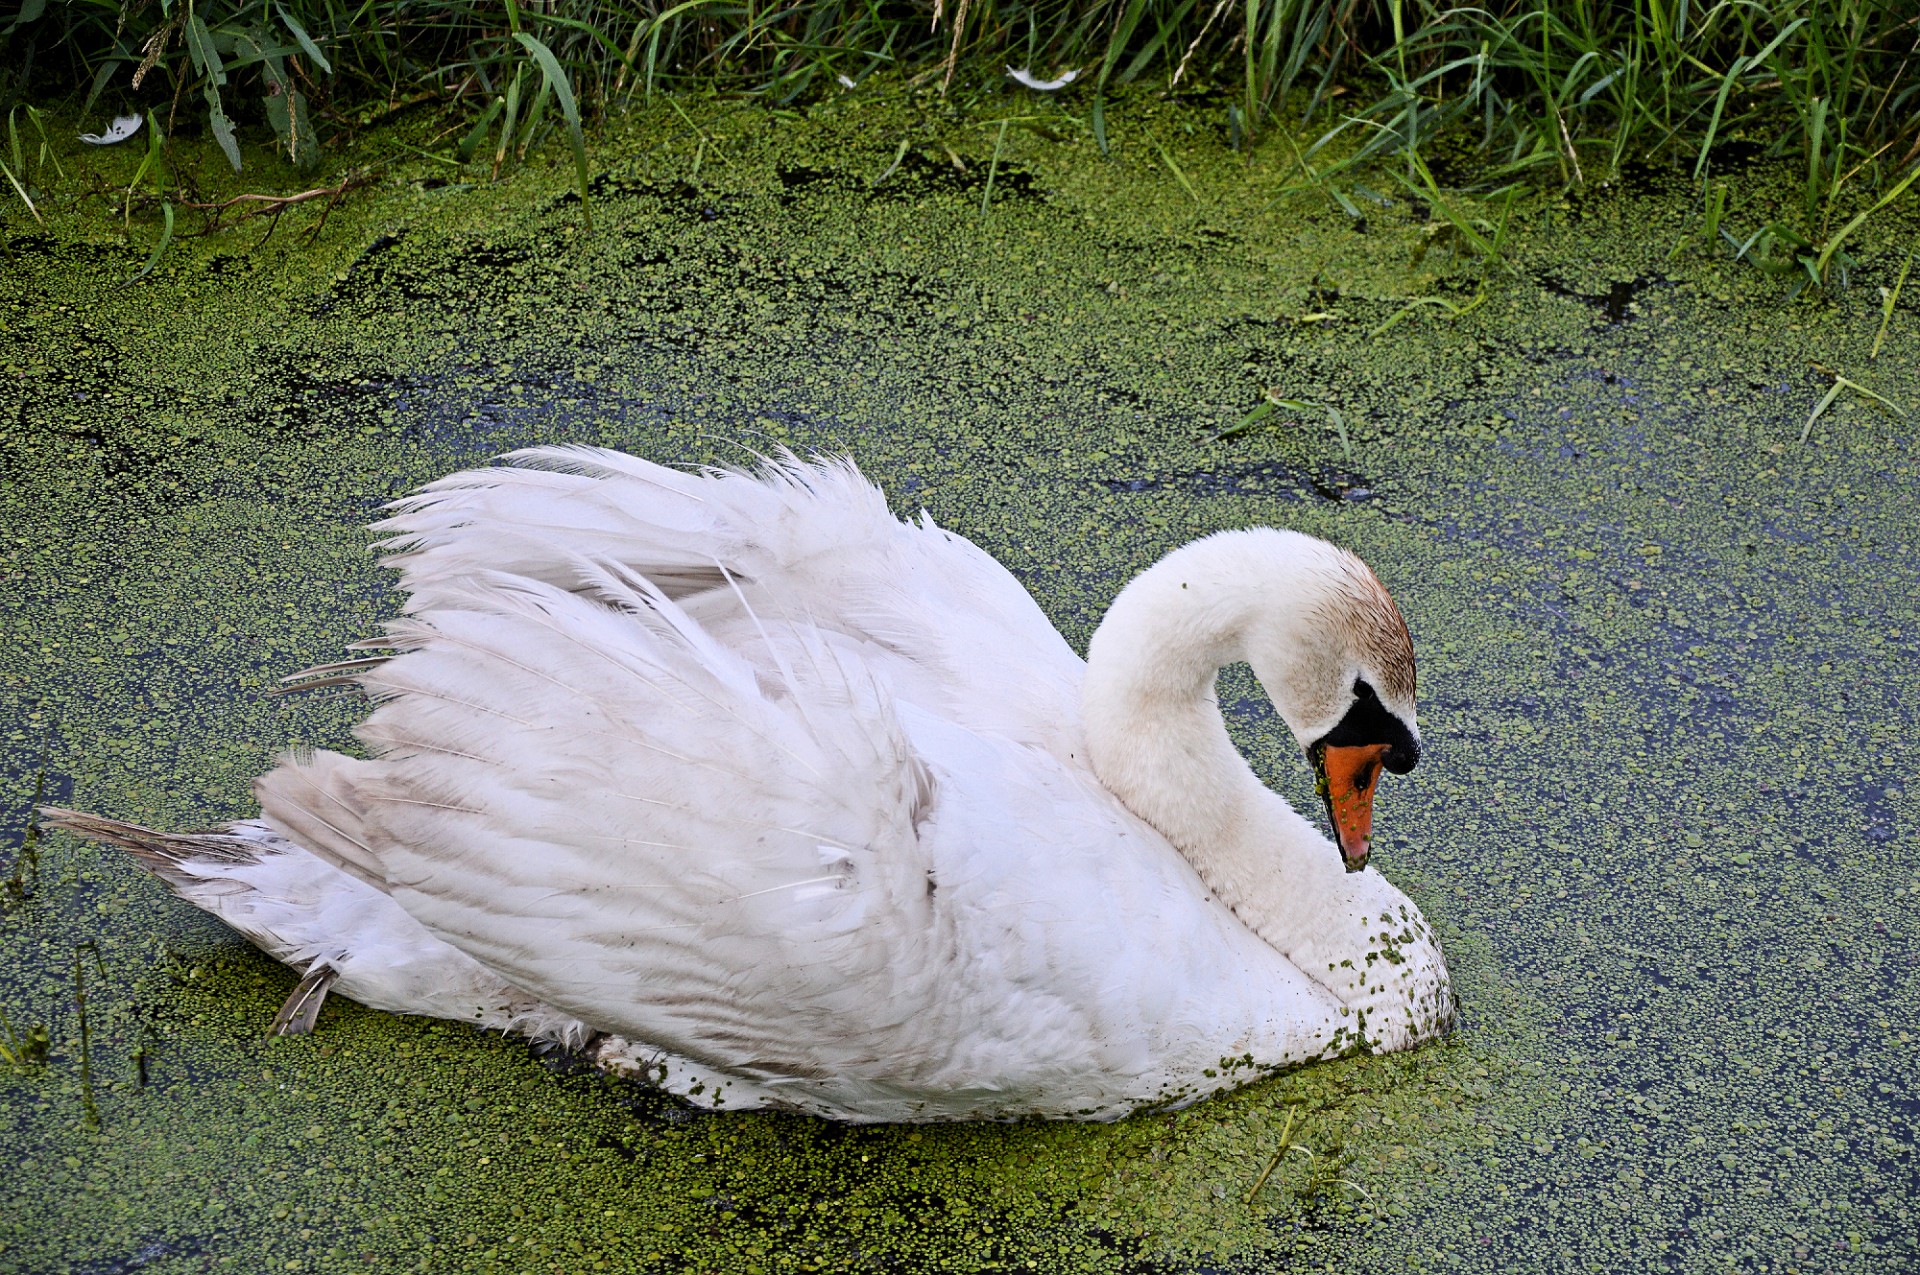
531	121
1428	188
1125	21
1719	108
166	237
511	119
100	78
149	163
1833	244
21	191
1817	131
1889	300
569	110
993	168
307	46
477	135
47	152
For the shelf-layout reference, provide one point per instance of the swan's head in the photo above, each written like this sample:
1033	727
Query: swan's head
1334	655
1323	637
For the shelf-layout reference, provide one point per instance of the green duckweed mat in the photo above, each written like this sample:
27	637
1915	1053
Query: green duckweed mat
1665	825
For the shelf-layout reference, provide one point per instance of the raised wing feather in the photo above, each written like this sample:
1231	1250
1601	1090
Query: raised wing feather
588	794
806	542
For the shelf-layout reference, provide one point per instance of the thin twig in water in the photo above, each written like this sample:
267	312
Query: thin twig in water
86	1048
1188	55
274	205
1286	1140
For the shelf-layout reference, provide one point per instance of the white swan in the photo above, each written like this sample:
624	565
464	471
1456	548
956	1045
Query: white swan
736	780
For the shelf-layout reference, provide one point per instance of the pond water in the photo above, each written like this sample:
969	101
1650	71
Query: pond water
1665	824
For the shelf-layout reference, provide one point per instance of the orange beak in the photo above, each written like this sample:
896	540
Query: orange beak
1346	776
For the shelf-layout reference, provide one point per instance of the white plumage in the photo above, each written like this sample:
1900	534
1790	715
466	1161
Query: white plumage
737	780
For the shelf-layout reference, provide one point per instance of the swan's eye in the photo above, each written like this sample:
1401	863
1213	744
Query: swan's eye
1368	721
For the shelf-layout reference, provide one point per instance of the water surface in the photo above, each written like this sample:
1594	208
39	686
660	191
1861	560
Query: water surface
1665	824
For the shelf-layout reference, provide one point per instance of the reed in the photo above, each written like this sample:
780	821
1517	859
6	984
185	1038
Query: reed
1567	90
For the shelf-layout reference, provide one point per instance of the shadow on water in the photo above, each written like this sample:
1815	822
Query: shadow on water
916	176
1273	478
154	1252
1615	304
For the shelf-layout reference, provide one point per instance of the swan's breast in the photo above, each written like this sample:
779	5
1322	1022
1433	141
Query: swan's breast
1060	898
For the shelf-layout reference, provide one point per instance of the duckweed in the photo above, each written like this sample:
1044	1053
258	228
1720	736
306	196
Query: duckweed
1664	826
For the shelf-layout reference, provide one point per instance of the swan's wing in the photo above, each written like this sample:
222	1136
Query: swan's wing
586	794
801	541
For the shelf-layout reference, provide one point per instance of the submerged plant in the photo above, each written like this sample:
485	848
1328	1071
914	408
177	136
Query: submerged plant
22	1050
25	877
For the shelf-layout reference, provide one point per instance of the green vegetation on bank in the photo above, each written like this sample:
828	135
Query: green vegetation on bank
1570	88
1503	99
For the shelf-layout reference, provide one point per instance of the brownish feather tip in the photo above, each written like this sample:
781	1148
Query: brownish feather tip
161	853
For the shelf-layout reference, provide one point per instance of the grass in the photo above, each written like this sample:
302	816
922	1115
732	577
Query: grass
1563	92
1271	402
1840	385
1889	298
1411	307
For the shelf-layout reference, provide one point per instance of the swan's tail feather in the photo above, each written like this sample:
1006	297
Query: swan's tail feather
339	673
302	1008
168	855
314	913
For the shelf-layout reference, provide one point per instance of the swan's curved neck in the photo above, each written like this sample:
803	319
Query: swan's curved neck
1153	726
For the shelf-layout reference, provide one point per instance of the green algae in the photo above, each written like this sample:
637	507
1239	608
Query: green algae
1667	672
